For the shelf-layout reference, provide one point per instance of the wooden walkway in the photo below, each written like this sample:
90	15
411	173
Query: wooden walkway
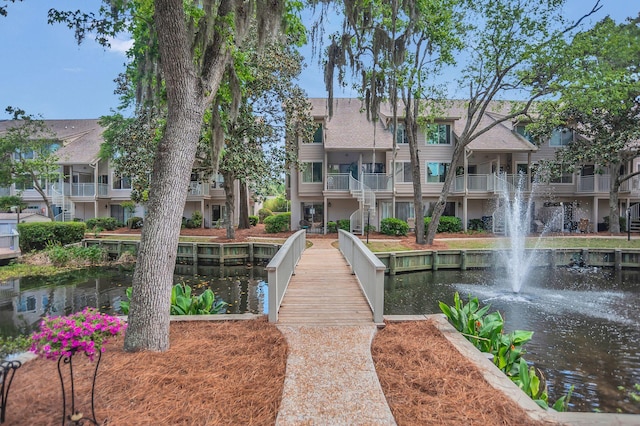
323	291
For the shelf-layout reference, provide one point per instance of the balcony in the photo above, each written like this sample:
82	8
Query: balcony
375	181
198	189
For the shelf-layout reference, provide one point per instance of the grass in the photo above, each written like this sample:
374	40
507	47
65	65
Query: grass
23	270
548	243
384	246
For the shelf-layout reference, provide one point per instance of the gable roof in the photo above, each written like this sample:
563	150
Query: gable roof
81	139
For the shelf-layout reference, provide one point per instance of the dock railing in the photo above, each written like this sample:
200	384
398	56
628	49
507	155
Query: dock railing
281	268
368	269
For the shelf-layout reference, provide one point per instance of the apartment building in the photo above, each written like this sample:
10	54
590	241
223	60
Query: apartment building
351	170
89	187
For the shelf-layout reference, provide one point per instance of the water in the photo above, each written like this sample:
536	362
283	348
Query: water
24	301
585	322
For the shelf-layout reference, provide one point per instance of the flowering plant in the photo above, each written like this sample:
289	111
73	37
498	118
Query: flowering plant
86	331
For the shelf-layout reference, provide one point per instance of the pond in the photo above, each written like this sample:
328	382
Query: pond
585	321
25	300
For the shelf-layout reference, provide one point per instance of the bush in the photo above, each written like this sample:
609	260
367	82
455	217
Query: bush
476	225
135	222
369	228
11	345
344	224
196	219
446	224
38	235
253	220
332	227
623	223
393	226
62	256
278	204
277	223
264	213
106	223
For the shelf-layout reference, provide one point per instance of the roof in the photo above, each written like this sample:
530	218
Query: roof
81	139
349	123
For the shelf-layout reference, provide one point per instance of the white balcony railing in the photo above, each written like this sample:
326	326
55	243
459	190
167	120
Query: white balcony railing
338	181
198	188
83	189
377	181
103	189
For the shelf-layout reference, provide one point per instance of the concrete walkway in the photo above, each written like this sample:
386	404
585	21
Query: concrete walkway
330	377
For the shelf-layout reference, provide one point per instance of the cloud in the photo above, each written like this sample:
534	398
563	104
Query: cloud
120	46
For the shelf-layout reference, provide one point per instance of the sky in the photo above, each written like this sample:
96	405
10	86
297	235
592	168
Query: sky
44	71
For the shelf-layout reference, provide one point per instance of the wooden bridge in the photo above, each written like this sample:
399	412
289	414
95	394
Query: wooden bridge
327	287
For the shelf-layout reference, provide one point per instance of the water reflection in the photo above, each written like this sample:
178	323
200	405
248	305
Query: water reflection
587	329
24	301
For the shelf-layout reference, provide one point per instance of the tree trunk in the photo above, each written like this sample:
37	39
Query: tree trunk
442	200
243	222
614	211
148	323
229	201
411	127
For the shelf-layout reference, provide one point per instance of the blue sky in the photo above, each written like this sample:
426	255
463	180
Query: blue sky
46	73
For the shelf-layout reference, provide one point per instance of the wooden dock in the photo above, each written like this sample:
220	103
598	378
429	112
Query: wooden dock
323	291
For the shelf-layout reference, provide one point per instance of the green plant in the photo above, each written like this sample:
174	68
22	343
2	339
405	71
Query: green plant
63	256
332	227
277	204
106	223
135	222
344	224
277	223
394	226
446	224
183	302
196	218
96	231
11	345
37	235
475	225
623	223
263	213
253	220
369	228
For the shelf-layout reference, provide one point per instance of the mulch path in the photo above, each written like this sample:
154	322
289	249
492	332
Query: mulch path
232	373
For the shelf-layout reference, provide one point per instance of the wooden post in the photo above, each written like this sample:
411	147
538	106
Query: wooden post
434	261
463	260
618	259
392	263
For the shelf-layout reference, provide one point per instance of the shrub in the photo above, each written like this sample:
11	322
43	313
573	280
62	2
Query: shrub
62	256
253	220
106	223
393	226
185	303
11	345
344	224
332	227
135	222
476	225
278	204
623	223
369	228
37	235
277	223
446	224
264	213
196	218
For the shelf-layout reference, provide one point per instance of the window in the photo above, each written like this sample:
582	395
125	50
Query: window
562	176
438	134
561	137
403	172
521	129
436	172
104	179
401	133
405	210
312	172
318	134
121	182
24	183
28	154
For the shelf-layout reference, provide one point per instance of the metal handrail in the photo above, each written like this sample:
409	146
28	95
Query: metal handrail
281	268
368	269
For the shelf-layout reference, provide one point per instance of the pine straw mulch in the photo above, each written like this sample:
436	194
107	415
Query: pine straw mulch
215	373
232	373
428	382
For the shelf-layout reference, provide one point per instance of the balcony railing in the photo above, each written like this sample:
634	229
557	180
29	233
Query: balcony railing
198	188
375	181
83	189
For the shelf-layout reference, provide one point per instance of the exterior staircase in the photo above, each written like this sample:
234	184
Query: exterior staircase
58	199
367	199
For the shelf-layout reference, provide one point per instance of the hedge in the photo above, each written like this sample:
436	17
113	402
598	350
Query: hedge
37	235
393	226
277	223
446	224
106	223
